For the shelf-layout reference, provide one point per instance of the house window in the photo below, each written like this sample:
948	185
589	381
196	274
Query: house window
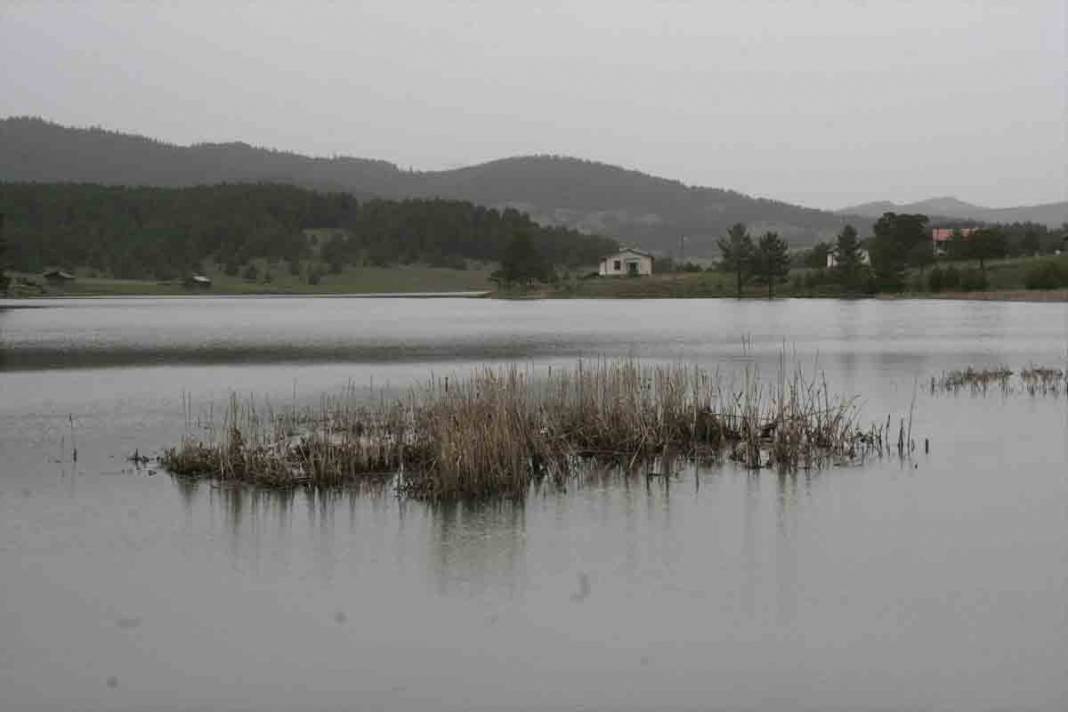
617	265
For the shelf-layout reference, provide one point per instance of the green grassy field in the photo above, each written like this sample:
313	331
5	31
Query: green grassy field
1004	274
353	280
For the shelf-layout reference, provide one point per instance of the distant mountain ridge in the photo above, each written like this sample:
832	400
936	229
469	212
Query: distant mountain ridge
627	205
1048	214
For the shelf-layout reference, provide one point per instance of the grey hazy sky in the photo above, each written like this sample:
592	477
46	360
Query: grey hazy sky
820	102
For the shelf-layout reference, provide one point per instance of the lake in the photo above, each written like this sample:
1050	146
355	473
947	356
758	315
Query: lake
939	583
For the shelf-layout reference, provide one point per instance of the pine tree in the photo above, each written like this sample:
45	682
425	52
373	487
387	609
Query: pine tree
986	244
521	262
3	249
737	249
816	257
771	259
895	236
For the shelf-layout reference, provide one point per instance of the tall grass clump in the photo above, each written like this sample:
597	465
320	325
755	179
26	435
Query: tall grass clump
340	441
500	430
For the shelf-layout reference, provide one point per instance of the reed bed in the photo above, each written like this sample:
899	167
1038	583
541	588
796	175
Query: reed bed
501	430
1033	380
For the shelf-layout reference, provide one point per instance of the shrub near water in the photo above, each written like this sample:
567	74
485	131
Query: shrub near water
500	430
1047	275
973	280
935	279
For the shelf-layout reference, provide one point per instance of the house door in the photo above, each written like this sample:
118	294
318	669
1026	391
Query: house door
632	269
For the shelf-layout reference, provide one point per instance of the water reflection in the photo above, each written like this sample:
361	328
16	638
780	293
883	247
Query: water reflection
243	506
476	548
791	488
301	330
750	551
478	545
66	355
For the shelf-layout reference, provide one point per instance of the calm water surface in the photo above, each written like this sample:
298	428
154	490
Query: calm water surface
940	584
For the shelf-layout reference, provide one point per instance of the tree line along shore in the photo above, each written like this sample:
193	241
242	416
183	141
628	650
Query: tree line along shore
82	239
1018	262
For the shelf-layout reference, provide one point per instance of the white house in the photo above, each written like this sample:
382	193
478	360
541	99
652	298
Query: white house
629	262
832	258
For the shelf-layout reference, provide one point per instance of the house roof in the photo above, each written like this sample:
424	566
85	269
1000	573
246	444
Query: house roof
627	250
942	234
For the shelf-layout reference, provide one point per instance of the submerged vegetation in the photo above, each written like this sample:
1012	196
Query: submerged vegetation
1033	380
499	431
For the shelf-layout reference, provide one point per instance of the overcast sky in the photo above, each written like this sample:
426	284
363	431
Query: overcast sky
819	102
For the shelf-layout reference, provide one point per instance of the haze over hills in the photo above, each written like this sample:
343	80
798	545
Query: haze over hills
630	206
1048	214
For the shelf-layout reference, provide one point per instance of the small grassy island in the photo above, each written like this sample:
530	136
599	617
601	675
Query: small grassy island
500	431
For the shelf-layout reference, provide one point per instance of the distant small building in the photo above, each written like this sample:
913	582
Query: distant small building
627	263
832	258
197	280
940	237
58	276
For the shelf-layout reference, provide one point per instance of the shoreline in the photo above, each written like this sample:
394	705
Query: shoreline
1051	296
1037	296
260	295
1045	296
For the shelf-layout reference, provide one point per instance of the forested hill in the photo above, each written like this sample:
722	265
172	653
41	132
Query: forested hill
639	208
593	197
164	233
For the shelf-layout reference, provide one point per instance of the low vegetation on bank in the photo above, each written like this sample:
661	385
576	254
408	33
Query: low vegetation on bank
1005	279
269	278
500	431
